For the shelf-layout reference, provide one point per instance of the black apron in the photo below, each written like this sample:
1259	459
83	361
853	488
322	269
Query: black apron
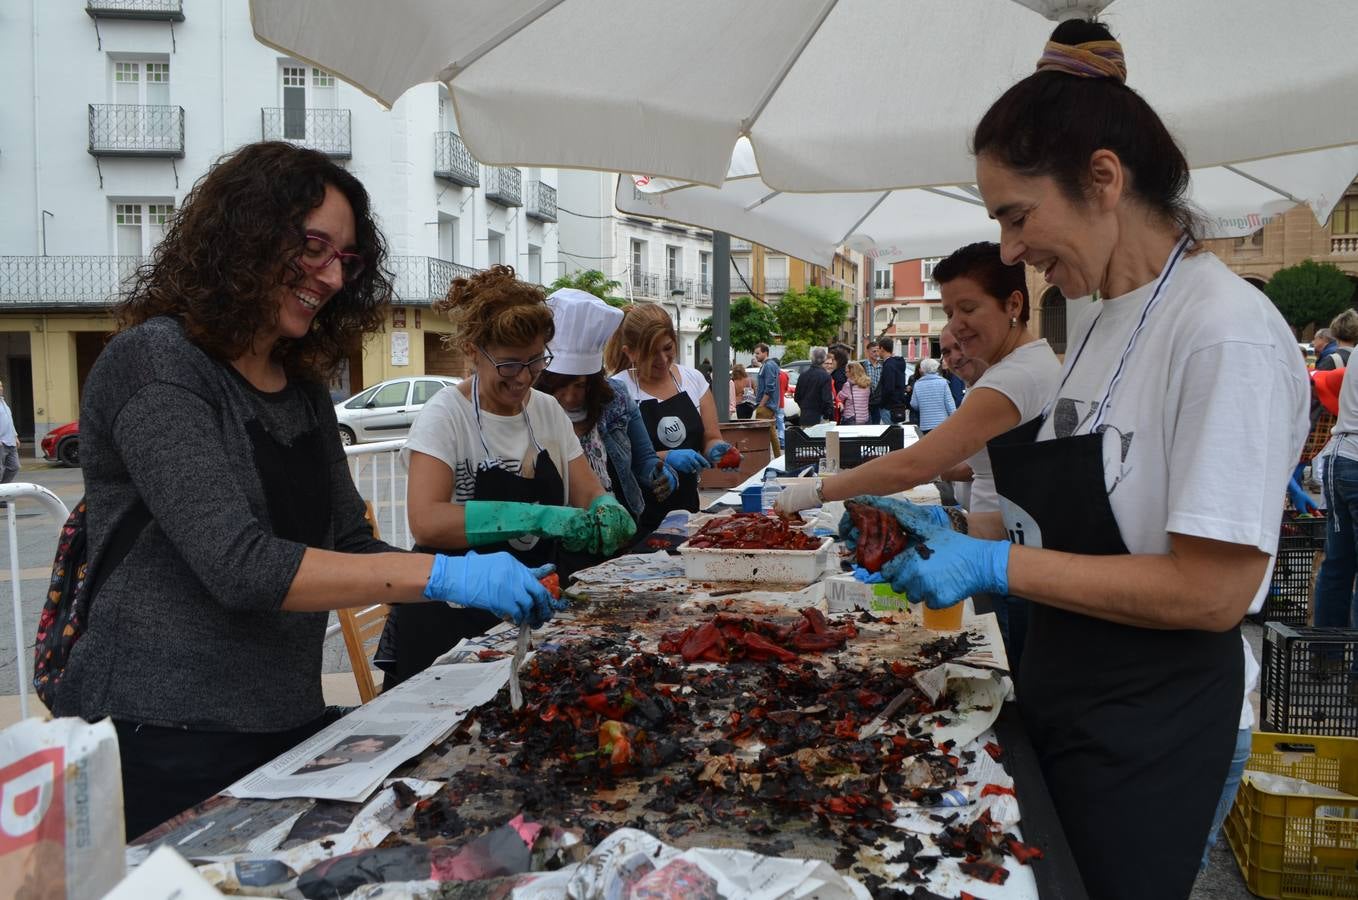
416	634
673	424
1134	727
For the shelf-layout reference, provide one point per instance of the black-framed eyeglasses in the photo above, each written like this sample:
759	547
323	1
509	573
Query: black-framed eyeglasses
535	366
317	253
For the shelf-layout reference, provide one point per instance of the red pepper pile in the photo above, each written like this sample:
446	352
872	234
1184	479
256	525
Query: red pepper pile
880	535
728	637
751	531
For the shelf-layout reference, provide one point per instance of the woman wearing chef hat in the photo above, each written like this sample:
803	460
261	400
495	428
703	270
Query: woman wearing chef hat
495	464
607	421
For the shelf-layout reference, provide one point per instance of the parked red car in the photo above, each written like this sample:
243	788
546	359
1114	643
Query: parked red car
63	445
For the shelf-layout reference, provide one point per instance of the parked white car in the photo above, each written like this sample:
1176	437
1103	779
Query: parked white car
385	412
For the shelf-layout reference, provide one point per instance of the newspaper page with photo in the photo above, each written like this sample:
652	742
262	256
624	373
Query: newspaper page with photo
348	760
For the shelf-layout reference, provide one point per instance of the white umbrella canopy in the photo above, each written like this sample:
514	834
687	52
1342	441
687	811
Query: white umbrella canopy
835	95
915	222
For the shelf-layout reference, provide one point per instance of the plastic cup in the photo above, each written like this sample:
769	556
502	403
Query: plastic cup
948	619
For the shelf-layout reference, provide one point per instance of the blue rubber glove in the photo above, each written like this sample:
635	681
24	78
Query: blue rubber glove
1301	500
898	508
690	462
717	451
957	566
495	582
663	482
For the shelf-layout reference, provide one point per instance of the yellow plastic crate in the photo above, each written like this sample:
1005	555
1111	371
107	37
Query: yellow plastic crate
1293	845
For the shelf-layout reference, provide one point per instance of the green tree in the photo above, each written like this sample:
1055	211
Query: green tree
794	350
1310	292
814	315
751	323
591	281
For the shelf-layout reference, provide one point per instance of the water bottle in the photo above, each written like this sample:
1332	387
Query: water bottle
769	492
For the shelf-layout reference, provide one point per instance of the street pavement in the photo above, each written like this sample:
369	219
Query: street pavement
37	533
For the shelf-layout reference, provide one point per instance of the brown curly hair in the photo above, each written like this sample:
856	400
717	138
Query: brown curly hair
236	239
644	328
493	308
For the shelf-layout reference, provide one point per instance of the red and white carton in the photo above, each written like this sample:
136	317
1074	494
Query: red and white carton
61	810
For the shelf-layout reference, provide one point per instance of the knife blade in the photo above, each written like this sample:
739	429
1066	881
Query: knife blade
887	712
520	650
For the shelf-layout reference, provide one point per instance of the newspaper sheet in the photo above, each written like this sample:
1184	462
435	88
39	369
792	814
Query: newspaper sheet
348	760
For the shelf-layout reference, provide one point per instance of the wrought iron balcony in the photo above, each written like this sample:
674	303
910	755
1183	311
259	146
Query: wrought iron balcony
541	201
420	280
646	284
882	293
504	185
775	285
46	281
129	129
325	130
453	161
157	10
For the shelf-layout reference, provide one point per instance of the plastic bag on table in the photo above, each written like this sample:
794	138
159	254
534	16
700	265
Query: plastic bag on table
61	809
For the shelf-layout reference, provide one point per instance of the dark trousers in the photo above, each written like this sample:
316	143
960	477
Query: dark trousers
168	770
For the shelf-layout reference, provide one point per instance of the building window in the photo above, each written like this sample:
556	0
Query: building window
926	274
1344	219
448	237
495	248
138	82
705	268
138	227
534	264
320	78
775	274
937	316
638	264
674	268
881	278
1254	239
1054	319
740	274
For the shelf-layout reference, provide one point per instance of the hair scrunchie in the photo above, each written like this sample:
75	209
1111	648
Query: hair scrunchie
1092	59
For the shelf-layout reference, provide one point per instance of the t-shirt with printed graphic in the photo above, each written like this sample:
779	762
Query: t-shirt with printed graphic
691	382
446	429
1028	377
1208	417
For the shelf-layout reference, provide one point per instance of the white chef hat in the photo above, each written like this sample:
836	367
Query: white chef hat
584	323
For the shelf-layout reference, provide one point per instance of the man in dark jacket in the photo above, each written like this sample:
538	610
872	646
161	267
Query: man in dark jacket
894	401
813	391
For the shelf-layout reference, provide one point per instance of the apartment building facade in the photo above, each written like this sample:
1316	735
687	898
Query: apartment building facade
132	100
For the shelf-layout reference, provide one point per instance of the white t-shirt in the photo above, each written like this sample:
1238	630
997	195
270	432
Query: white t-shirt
446	430
1028	377
691	382
1208	418
1344	434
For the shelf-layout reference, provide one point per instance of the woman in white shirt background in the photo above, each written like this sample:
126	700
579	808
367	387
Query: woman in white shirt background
675	402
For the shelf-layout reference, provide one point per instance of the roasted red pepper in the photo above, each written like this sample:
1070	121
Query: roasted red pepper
880	536
730	459
760	647
751	531
552	583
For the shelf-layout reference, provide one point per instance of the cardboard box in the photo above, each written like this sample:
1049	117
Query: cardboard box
844	593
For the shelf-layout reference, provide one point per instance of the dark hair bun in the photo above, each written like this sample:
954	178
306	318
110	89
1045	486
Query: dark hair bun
1081	31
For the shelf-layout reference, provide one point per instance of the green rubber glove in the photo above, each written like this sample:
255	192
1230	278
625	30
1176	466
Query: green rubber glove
616	526
493	521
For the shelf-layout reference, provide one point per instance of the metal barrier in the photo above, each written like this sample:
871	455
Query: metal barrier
11	494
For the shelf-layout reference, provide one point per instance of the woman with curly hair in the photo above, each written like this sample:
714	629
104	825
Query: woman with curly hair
495	464
220	511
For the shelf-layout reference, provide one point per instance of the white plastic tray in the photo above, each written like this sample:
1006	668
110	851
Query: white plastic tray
799	567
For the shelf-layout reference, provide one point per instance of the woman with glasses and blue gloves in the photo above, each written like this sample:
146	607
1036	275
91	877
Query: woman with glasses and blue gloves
606	420
676	405
1143	504
494	464
218	497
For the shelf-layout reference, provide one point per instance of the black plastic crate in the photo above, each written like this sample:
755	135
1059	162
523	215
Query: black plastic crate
1309	683
806	451
1298	529
1289	593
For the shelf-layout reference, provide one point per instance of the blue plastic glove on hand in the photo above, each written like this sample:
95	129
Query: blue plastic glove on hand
495	582
957	566
717	451
690	462
898	508
663	482
1300	499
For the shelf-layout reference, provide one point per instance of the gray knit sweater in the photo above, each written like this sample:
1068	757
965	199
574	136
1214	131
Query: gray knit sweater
188	630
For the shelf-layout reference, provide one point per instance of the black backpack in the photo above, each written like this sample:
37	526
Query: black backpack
71	590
